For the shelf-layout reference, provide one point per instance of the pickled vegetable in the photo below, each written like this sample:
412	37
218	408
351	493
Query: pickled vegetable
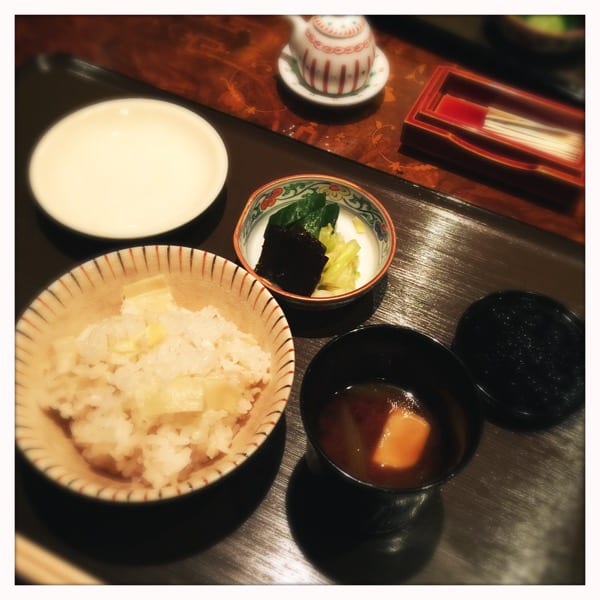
302	253
341	271
292	213
314	221
291	258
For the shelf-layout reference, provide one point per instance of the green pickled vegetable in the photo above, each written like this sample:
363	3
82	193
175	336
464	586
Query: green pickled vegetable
314	221
292	213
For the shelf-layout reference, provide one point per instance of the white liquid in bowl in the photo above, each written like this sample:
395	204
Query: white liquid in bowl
128	168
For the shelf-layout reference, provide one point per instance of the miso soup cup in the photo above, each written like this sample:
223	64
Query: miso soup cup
417	364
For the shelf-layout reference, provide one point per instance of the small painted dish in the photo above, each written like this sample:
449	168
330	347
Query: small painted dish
361	217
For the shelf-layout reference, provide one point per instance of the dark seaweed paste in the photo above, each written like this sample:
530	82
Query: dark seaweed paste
292	255
292	258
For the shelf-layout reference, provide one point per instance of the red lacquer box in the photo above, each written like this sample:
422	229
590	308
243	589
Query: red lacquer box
521	141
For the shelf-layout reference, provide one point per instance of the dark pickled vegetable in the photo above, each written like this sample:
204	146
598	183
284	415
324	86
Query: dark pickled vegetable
292	255
291	258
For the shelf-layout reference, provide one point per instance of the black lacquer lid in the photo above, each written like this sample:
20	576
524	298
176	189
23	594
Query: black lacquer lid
526	353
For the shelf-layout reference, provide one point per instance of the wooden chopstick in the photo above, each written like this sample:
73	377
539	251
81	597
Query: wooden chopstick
38	565
557	141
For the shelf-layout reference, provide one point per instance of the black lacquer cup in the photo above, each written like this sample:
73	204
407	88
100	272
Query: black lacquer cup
412	361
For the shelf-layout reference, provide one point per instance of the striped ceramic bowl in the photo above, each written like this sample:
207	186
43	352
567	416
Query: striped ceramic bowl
93	291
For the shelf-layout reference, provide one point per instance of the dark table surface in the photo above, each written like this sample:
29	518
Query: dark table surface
515	515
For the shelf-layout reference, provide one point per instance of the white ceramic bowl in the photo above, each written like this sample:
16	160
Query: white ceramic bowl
377	241
128	168
94	290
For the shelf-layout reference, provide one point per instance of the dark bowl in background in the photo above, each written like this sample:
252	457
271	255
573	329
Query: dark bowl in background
538	41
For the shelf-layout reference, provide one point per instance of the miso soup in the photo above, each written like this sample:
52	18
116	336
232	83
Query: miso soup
382	434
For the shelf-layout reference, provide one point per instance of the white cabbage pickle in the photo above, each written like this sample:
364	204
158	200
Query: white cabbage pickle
341	270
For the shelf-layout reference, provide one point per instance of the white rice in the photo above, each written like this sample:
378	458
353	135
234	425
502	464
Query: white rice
153	393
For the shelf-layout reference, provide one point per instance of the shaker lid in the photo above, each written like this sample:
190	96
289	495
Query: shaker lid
526	354
345	26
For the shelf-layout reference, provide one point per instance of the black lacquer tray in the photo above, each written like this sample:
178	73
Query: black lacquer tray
514	515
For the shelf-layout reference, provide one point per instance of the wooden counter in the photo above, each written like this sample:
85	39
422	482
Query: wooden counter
229	63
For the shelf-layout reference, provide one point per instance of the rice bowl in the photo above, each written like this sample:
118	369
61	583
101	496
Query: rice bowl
86	356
